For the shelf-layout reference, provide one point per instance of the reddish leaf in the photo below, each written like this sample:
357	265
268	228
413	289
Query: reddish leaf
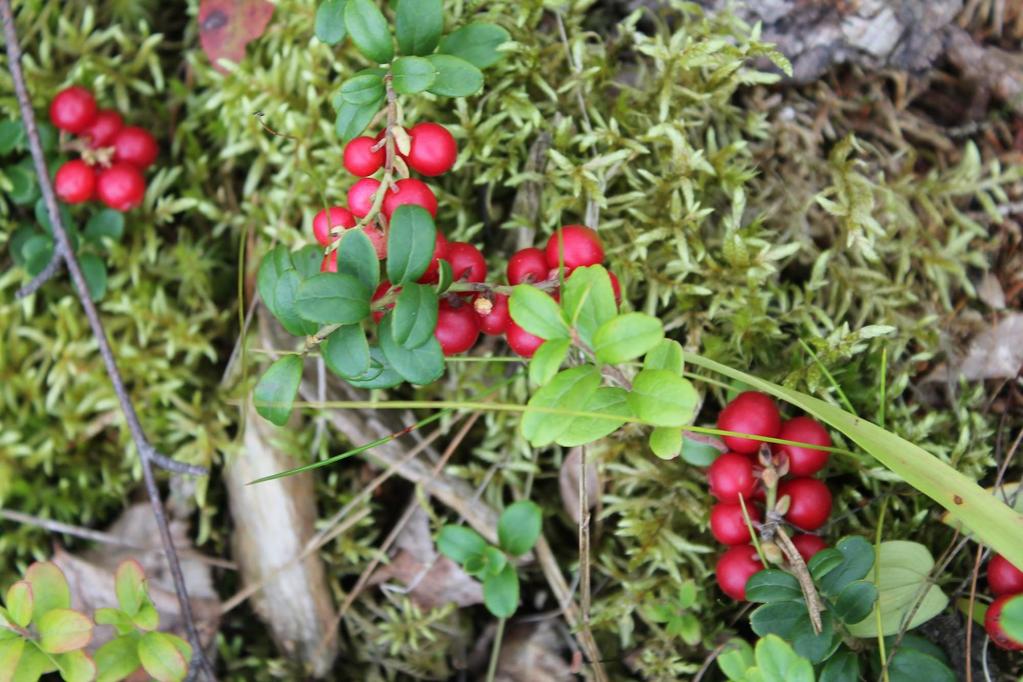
227	26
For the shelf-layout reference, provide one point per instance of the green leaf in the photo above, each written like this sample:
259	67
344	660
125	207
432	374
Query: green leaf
855	602
346	352
420	365
380	374
19	603
285	304
588	300
116	618
183	647
107	224
356	256
410	244
12	134
844	666
333	298
62	630
130	586
698	454
662	398
568	388
911	665
369	30
778	662
76	666
519	527
38	251
445	276
16	243
667	354
476	43
306	261
49	588
147	617
772	585
43	216
455	77
547	359
117	659
330	21
790	621
414	315
10	656
494	560
903	573
364	87
277	388
501	592
735	659
24	188
537	313
824	561
412	75
161	658
627	336
352	119
95	272
274	263
33	664
605	400
418	24
1012	618
857	560
459	543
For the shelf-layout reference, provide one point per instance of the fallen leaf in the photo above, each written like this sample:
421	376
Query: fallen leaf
227	26
568	481
530	652
995	352
990	292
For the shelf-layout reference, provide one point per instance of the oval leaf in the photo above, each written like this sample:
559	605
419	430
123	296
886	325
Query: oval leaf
459	543
356	256
117	659
778	662
772	585
76	666
418	24
130	586
501	592
410	244
415	315
421	365
277	388
855	602
566	390
519	527
369	30
330	21
665	355
346	352
455	77
662	398
62	630
476	43
588	300
19	603
625	337
107	224
49	588
547	359
412	75
363	88
333	298
160	658
352	119
666	441
607	400
537	313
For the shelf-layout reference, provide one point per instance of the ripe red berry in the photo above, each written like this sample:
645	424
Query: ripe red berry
360	196
329	262
75	182
135	146
104	128
360	159
433	150
521	341
808	545
467	263
616	287
734	569
1003	577
527	265
378	240
410	191
382	289
457	328
121	187
727	524
73	109
731	475
804	461
440	252
993	625
580	244
753	413
810	503
335	216
496	318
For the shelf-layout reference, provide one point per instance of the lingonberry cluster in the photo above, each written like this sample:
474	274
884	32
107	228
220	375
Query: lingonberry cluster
1006	582
779	476
113	155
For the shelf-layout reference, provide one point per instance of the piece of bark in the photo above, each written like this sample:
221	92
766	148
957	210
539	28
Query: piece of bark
273	522
568	484
989	68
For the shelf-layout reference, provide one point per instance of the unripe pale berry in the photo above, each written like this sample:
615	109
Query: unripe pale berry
803	461
520	341
753	413
135	146
993	624
467	262
580	244
731	475
492	313
104	128
121	187
360	158
810	502
75	182
1003	577
433	150
73	109
527	265
727	524
335	216
409	192
734	569
457	328
360	196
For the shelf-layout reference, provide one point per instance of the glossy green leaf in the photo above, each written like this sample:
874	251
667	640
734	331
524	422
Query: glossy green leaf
306	261
476	43
857	560
285	305
115	618
501	592
415	315
130	586
277	389
17	240
37	251
777	661
12	135
790	621
494	560
698	454
662	398
24	187
666	441
667	354
147	617
330	21
735	659
536	312
844	666
855	602
49	588
364	87
10	656
519	527
412	75
420	365
352	119
62	630
161	658
410	244
95	272
547	359
117	659
588	301
568	388
771	585
824	561
625	337
458	543
455	77
346	352
369	30
606	400
19	603
380	374
911	665
106	224
333	298
76	666
418	25
1012	617
356	256
43	216
33	663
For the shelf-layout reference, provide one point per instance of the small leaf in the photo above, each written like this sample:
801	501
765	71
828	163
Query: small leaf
352	119
855	602
369	30
458	543
857	560
823	562
356	256
17	240
476	43
627	336
735	659
790	621
380	374
12	135
10	657
519	527
667	354
608	400
455	77
418	24
662	398
116	618
698	454
547	359
24	187
568	388
38	252
62	630
415	315
147	617
1011	618
501	592
777	662
277	389
773	585
410	244
19	603
285	304
364	87
95	272
911	665
330	21
412	75
306	261
844	666
161	658
346	352
117	659
494	560
537	313
76	666
588	300
49	588
333	298
420	365
107	224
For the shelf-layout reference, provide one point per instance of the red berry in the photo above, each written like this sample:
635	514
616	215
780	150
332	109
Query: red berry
810	503
440	251
457	328
1003	577
121	187
360	159
521	341
104	129
731	475
581	247
467	263
378	240
616	287
329	263
360	196
135	146
335	216
382	289
527	265
75	182
808	545
753	413
73	109
495	321
804	461
433	150
410	191
994	627
727	524
734	569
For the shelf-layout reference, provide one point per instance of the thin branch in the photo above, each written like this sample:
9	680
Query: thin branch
47	273
63	247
